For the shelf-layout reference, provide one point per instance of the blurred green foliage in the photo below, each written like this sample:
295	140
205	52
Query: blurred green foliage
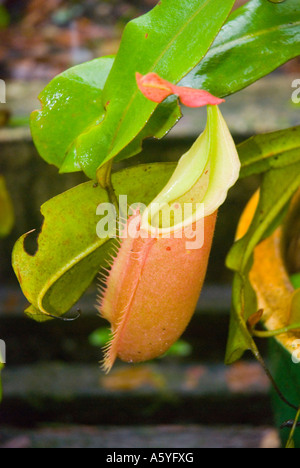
296	280
4	17
100	338
7	217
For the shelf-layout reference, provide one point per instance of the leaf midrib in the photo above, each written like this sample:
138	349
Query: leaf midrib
246	37
264	157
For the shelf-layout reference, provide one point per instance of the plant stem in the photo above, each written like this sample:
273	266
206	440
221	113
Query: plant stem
104	180
260	359
272	333
290	439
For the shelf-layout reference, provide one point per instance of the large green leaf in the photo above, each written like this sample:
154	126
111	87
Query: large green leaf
258	37
277	188
270	150
170	40
71	104
69	252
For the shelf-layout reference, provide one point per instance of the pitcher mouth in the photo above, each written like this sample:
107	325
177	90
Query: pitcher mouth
201	180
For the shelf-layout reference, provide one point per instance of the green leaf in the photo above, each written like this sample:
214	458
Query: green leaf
71	131
170	40
257	39
295	279
277	188
69	252
71	104
164	117
7	217
239	339
269	151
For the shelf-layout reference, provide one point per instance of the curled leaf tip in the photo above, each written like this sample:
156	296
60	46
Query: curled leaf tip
156	89
153	87
197	97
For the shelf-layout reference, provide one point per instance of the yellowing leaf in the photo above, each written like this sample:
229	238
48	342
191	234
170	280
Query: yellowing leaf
269	277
